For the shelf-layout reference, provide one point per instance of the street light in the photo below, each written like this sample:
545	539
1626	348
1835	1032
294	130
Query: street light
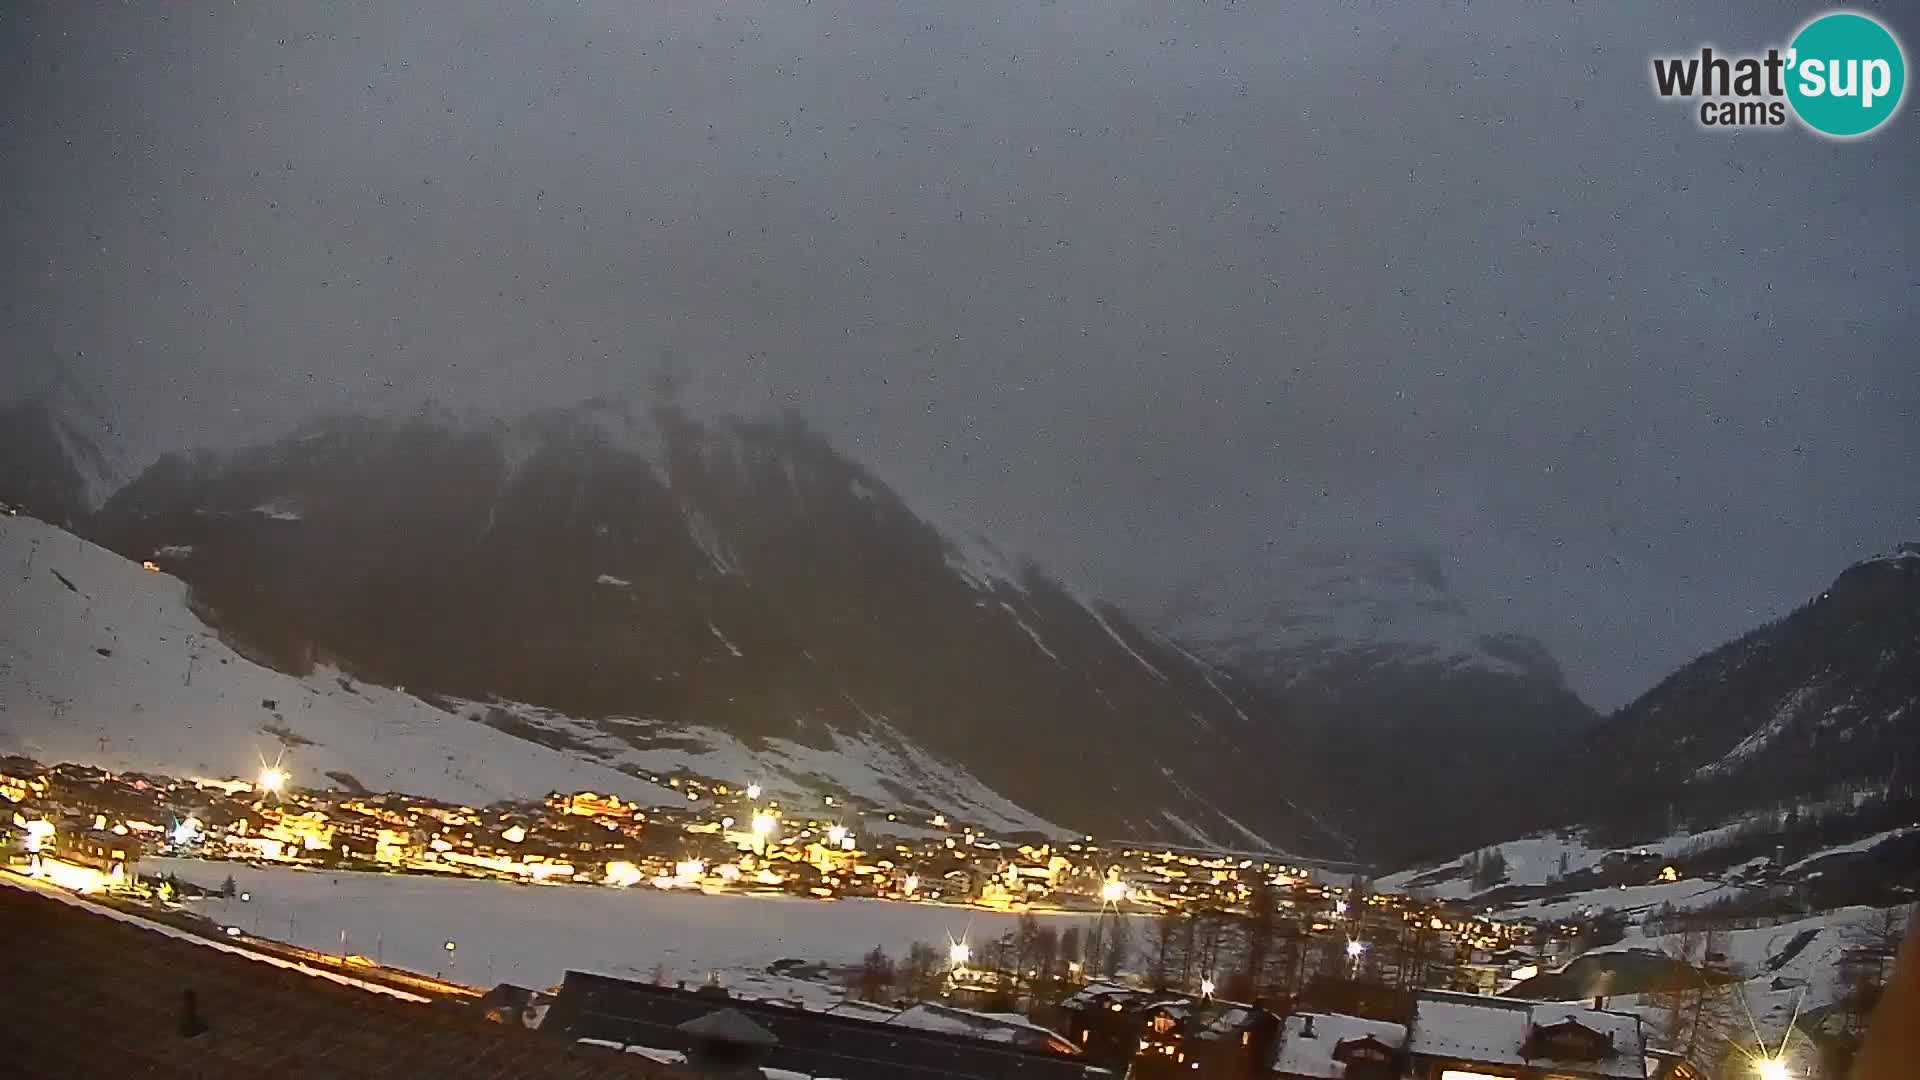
753	791
1206	987
1112	892
1772	1068
273	779
958	954
1355	948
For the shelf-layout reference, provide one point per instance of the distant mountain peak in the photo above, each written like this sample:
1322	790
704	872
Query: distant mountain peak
653	577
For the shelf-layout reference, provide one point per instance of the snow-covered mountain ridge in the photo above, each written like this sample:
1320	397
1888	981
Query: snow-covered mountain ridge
640	584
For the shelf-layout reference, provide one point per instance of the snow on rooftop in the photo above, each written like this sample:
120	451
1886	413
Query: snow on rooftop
991	1027
1495	1031
1303	1055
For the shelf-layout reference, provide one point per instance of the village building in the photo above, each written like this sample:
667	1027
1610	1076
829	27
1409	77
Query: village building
1456	1036
1312	1046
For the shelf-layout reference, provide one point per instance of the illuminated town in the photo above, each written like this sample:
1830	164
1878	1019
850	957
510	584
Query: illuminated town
1182	950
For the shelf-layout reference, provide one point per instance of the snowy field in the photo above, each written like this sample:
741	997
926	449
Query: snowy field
531	935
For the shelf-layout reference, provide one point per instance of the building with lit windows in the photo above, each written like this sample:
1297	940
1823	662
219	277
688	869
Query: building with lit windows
1468	1037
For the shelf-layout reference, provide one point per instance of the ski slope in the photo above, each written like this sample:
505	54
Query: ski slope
102	662
105	663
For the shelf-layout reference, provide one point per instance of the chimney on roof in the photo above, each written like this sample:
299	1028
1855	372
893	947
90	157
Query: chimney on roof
1306	1030
191	1026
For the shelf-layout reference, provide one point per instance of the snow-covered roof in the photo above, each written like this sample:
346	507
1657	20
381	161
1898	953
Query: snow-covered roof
729	1025
993	1027
664	1057
1300	1055
864	1010
1496	1031
1094	991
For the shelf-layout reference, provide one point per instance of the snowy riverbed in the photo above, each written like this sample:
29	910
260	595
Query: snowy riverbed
531	935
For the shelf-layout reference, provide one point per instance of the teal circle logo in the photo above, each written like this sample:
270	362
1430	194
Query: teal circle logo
1846	74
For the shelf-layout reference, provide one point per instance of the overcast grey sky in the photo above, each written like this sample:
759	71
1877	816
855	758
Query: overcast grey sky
1152	291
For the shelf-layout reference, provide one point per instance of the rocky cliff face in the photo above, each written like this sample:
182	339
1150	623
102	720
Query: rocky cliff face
643	574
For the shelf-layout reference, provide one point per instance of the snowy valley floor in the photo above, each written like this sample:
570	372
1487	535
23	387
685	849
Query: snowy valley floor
531	935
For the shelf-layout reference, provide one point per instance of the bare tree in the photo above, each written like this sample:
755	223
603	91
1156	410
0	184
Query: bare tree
922	975
876	975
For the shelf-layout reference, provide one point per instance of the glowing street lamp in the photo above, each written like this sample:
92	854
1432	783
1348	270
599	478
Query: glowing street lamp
753	791
1772	1068
836	834
273	779
1339	907
958	954
1206	987
765	824
1112	892
1355	949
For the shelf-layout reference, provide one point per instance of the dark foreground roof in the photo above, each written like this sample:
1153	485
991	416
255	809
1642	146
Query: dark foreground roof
816	1043
86	996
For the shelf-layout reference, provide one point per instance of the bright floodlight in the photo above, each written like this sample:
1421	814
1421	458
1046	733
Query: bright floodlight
273	778
764	824
959	953
1206	987
1355	948
753	791
1113	892
836	834
1772	1068
1339	907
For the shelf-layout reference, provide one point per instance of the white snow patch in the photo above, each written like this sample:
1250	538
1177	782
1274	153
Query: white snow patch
1762	736
722	638
1094	610
1864	844
980	563
279	510
707	539
1532	860
880	765
1038	641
